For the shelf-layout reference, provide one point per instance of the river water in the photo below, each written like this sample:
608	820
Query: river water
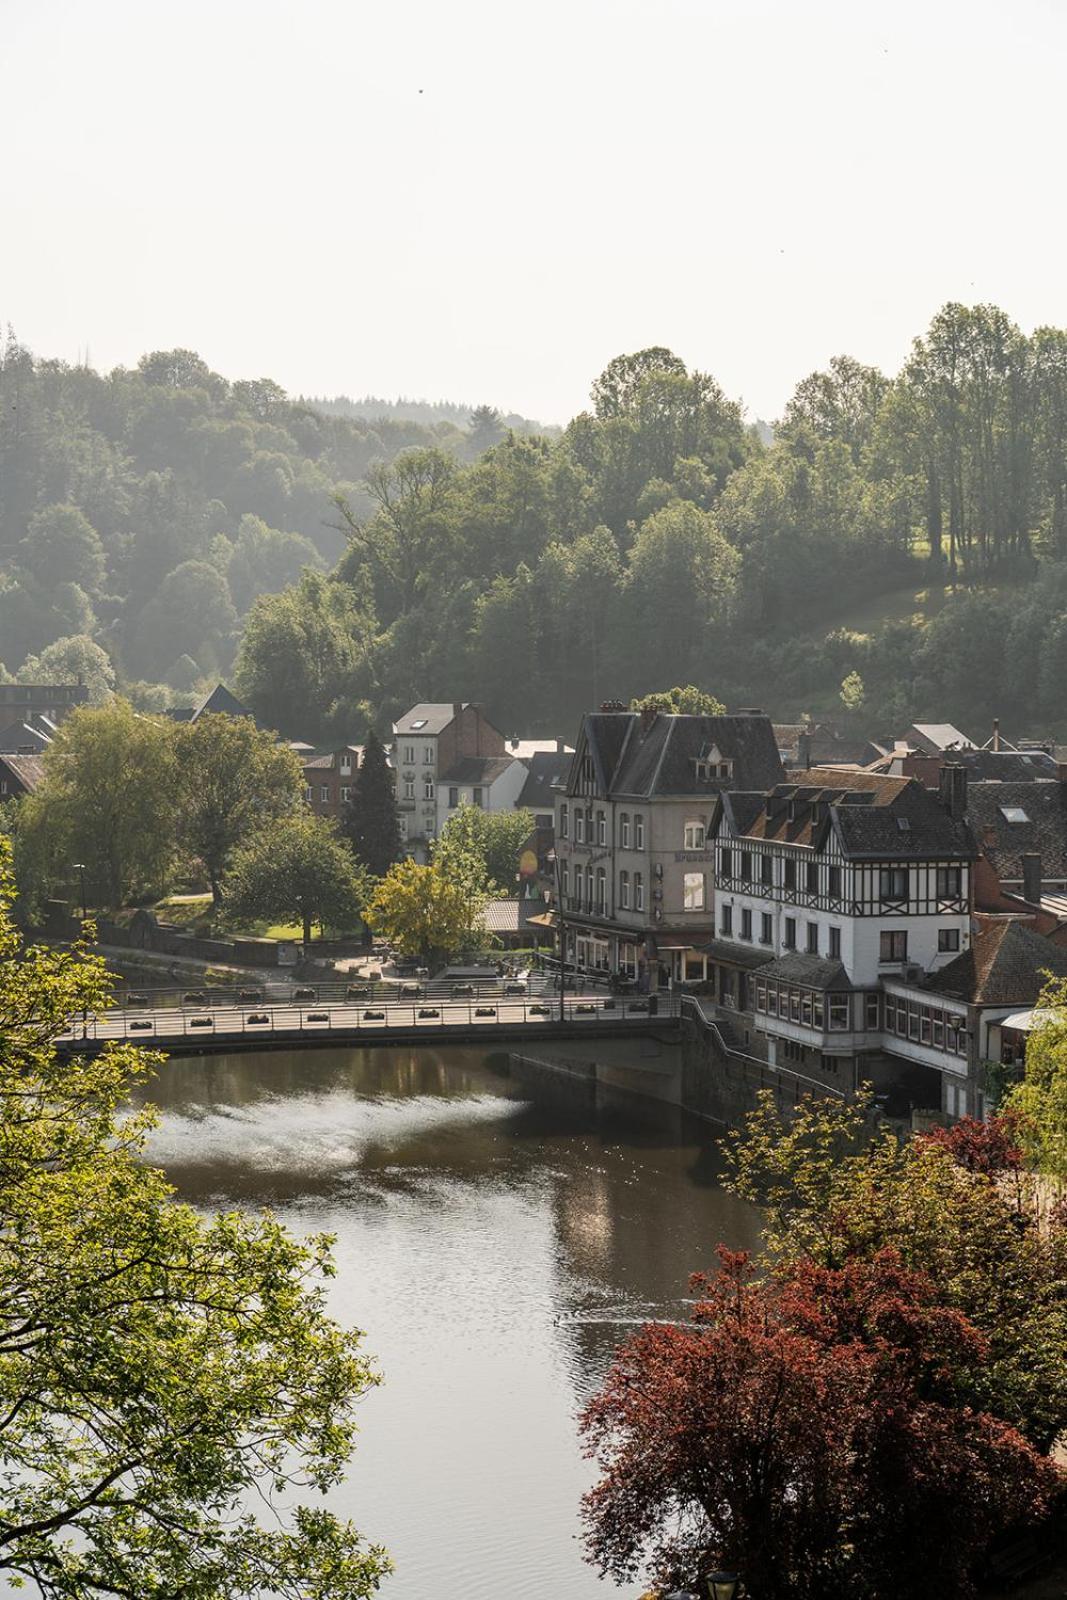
494	1247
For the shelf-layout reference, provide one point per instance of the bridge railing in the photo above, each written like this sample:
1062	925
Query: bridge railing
321	1018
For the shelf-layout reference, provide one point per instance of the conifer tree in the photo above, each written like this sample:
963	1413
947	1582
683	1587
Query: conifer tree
371	822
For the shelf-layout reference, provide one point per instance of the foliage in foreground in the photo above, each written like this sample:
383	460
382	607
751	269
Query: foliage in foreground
160	1374
902	1363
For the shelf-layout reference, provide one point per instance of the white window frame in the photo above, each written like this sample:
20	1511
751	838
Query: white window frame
639	891
639	830
694	891
694	834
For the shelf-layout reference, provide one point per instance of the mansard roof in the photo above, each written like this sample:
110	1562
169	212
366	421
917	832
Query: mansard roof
872	817
649	758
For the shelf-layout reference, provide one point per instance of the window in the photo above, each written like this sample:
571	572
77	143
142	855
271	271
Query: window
639	892
805	1009
924	1026
346	794
835	944
813	938
639	832
346	763
746	923
601	828
893	883
409	754
427	755
892	946
835	882
789	874
694	835
624	890
817	1011
624	830
601	888
409	788
693	891
1013	814
564	822
309	793
746	866
565	878
727	862
324	794
870	1011
453	797
913	1021
772	1000
726	921
948	883
766	928
939	1030
794	1005
428	790
476	796
838	1010
579	886
403	827
948	939
813	877
790	939
766	870
761	997
579	826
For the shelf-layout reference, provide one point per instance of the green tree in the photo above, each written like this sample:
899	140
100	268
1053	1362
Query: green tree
852	692
233	778
492	840
371	822
108	799
297	868
265	561
687	702
62	546
424	911
299	653
163	1373
680	588
192	610
74	660
1041	1097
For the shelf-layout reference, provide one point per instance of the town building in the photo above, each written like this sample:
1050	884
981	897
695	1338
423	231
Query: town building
220	702
329	777
25	702
29	738
448	754
633	856
19	775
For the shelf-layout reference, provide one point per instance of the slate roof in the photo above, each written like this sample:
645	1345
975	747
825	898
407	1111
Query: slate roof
645	760
1004	843
865	811
934	737
433	715
477	769
809	972
22	736
548	771
328	760
26	770
1004	966
737	955
1007	766
220	702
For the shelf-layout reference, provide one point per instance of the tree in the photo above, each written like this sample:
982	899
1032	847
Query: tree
299	652
107	798
371	822
852	693
687	702
265	561
491	840
74	660
680	588
164	1373
192	610
422	911
1040	1100
232	779
297	868
486	429
62	546
791	1428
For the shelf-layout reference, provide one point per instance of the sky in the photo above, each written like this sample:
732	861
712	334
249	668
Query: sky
486	201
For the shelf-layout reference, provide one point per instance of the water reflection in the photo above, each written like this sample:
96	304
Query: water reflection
495	1250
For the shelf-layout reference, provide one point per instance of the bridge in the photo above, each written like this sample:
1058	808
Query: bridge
280	1015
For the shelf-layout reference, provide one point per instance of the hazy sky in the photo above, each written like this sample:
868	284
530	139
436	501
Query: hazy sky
487	200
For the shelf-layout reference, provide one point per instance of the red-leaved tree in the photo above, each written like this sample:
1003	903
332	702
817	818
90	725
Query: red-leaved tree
809	1434
990	1148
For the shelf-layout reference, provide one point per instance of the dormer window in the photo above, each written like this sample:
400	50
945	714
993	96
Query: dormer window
712	766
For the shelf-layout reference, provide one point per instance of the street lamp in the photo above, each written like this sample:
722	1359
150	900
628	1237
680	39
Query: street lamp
562	933
722	1585
79	866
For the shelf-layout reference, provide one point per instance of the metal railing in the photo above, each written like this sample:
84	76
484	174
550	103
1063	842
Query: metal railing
760	1073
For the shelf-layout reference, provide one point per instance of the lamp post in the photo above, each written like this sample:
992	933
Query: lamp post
722	1585
79	867
562	935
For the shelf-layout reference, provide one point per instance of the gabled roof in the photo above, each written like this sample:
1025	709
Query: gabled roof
1011	820
548	771
26	770
873	817
24	738
220	702
1004	966
642	758
526	749
1007	766
935	737
428	717
327	760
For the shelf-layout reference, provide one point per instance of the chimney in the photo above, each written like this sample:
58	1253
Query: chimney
749	711
648	717
996	733
804	750
559	746
1032	878
953	789
457	707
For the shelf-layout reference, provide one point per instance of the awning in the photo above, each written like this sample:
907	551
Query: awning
543	919
733	955
1024	1021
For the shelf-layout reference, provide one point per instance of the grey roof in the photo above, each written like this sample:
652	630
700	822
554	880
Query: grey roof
934	737
327	759
429	716
1006	965
26	770
737	955
646	759
548	771
1007	766
1004	841
811	972
220	702
477	769
866	812
22	737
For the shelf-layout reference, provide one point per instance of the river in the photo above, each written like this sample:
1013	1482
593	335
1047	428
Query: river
494	1248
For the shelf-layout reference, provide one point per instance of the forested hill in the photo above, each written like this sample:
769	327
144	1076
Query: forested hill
906	533
467	418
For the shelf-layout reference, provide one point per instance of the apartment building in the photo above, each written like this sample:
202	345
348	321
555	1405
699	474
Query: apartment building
447	754
329	777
